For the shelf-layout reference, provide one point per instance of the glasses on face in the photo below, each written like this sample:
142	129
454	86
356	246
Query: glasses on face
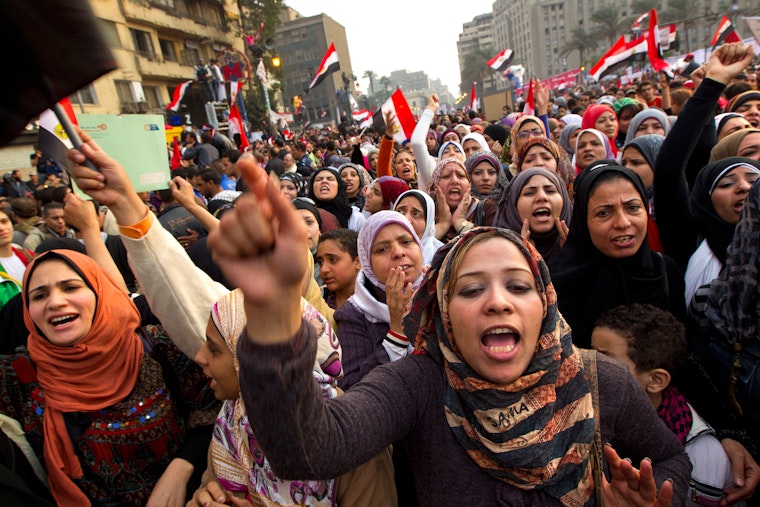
528	133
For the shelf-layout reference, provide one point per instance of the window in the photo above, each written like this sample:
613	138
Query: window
110	34
143	43
86	95
163	3
168	50
152	96
190	56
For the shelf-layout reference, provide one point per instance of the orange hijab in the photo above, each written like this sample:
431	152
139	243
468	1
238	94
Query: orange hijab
96	373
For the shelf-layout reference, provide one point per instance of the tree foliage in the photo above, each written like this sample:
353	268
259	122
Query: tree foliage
608	23
475	67
579	41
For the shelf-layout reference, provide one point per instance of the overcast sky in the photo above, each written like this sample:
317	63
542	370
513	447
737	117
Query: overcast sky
389	35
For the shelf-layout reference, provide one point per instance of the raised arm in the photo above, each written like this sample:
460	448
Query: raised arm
179	293
671	191
425	161
182	191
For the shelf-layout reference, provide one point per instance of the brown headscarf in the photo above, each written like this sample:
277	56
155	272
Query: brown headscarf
729	145
95	373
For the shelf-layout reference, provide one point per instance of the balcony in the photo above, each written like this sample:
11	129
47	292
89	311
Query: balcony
155	66
180	19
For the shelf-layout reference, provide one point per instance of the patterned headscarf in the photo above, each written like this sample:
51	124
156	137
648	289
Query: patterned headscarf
734	297
516	130
236	456
564	164
546	445
298	181
501	179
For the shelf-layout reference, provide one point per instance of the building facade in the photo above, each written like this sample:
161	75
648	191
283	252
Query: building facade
302	43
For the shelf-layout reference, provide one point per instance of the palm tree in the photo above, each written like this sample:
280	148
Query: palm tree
609	25
579	41
386	82
639	7
475	67
371	75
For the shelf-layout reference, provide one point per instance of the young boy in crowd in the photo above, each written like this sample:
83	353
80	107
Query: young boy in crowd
338	259
652	343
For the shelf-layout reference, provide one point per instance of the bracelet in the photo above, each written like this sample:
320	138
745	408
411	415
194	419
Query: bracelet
388	137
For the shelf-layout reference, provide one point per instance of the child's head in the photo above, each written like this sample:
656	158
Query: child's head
650	341
338	259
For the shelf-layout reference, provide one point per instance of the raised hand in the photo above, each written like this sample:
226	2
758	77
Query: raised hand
728	61
261	247
433	103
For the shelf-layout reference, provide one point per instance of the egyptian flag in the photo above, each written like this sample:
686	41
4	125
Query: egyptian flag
530	101
52	49
501	61
636	26
52	140
367	122
653	44
404	124
725	33
619	55
235	120
179	93
360	115
329	65
474	100
176	161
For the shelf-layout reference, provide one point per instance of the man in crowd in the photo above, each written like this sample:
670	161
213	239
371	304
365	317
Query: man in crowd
52	226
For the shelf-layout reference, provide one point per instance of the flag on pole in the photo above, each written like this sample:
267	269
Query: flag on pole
238	127
53	48
179	93
404	123
474	100
726	32
530	100
261	72
367	122
639	21
352	101
501	61
653	44
360	115
620	53
52	139
329	65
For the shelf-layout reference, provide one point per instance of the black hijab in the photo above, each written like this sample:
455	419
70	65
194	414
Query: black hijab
339	205
587	281
710	225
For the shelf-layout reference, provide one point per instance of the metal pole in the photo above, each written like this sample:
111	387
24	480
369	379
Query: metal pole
266	93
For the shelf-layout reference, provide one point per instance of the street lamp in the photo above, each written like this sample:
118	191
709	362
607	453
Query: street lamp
276	61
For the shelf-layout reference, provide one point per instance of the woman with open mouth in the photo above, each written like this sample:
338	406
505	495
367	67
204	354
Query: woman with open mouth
606	260
590	146
494	391
328	191
369	324
457	211
537	205
99	395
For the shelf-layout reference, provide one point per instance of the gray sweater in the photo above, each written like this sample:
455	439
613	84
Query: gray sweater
306	437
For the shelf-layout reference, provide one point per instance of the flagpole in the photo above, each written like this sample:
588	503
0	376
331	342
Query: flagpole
68	127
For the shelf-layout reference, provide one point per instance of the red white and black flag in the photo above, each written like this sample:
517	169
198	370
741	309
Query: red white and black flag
404	124
653	45
329	65
179	93
619	55
726	32
501	61
474	100
54	48
52	139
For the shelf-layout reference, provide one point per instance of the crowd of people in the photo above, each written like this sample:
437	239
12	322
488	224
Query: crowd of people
489	313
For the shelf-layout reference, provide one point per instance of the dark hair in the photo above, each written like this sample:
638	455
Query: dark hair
656	339
211	175
643	84
233	155
186	172
24	207
51	206
206	136
735	89
345	238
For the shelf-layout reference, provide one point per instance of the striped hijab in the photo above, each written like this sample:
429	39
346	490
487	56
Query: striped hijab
535	433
